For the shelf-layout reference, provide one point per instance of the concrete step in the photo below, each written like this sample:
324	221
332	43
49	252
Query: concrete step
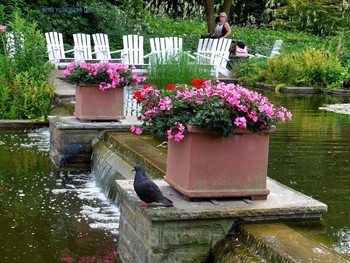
139	150
279	243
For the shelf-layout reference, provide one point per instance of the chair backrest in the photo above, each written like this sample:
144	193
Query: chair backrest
221	50
101	47
214	51
14	43
82	47
133	53
165	48
55	48
276	48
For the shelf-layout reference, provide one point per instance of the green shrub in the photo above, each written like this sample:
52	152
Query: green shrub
26	98
314	67
24	73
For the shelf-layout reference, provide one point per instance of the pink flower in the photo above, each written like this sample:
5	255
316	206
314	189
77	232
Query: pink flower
165	104
137	131
114	74
241	122
268	109
207	106
2	28
176	133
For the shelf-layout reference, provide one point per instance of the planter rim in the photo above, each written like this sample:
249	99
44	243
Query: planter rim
91	84
194	129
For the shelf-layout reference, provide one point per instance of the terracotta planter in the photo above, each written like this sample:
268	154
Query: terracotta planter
204	165
93	104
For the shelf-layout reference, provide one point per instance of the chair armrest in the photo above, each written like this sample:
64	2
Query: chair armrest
71	50
201	55
217	55
116	51
260	56
189	54
149	54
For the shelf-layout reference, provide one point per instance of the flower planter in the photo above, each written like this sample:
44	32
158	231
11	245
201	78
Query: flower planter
204	165
93	104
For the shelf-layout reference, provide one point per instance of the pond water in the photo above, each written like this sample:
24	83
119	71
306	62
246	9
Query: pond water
51	216
46	215
312	155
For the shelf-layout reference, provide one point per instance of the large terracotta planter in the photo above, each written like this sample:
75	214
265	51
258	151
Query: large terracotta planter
93	104
204	165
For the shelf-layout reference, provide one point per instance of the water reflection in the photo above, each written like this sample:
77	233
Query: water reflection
49	216
311	155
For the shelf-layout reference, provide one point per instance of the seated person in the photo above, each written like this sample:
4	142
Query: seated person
223	28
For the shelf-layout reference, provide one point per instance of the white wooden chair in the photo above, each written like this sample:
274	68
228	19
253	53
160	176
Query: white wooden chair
214	52
102	50
55	50
274	53
165	48
82	47
133	52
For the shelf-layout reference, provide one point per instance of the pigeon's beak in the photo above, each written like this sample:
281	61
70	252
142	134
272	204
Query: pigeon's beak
133	170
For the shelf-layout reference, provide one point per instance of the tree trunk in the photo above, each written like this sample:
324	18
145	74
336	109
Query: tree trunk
209	12
227	7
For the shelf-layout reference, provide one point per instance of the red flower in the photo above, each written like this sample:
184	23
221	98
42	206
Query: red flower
197	82
149	85
137	96
170	87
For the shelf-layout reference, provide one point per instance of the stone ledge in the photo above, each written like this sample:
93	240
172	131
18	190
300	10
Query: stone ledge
279	243
188	231
21	124
72	123
341	92
282	203
300	90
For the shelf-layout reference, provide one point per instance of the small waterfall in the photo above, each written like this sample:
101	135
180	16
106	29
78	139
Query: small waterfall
105	176
107	166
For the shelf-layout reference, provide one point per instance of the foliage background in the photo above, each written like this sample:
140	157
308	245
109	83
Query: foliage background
315	51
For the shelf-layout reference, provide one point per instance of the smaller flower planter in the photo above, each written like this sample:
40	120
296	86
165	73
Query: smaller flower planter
94	104
204	165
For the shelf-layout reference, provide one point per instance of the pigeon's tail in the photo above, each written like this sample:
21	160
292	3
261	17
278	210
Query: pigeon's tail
166	202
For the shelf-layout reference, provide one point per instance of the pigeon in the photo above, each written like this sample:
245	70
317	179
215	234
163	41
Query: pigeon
147	190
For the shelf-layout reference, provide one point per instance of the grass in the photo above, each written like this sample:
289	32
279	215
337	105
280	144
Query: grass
180	69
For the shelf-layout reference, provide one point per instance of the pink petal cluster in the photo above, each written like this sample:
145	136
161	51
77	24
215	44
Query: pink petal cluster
246	109
165	104
136	130
116	74
177	133
2	29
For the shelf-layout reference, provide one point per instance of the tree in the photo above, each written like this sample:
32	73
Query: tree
210	11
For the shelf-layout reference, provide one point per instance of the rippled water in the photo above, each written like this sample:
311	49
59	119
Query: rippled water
49	216
312	155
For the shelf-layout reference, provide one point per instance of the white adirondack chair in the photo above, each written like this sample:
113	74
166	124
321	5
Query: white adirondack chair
55	50
102	50
214	52
82	47
274	53
133	52
165	48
